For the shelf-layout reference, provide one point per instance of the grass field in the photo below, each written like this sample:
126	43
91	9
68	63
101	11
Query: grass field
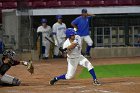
108	71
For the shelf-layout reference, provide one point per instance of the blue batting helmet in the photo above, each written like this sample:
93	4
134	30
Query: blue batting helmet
43	20
59	17
84	10
70	32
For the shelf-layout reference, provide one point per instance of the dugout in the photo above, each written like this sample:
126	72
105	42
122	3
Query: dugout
114	34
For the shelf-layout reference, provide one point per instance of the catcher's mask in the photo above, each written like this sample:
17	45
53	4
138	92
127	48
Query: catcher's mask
9	53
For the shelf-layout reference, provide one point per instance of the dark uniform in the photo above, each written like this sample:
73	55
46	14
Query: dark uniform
4	67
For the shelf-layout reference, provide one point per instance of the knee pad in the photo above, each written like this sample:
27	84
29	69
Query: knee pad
10	80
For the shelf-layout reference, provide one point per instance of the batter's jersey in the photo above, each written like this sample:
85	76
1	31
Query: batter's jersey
76	52
59	29
83	25
45	31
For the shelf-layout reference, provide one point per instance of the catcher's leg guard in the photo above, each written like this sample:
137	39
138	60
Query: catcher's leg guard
10	80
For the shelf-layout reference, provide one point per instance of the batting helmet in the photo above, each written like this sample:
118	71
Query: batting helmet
9	53
84	10
59	17
70	32
43	20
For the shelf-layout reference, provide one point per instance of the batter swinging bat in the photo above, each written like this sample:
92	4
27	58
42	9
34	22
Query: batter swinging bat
51	41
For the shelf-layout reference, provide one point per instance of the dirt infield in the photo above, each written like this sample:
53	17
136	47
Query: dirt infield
45	70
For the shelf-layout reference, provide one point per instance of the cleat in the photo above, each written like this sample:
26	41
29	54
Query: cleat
53	81
96	82
87	55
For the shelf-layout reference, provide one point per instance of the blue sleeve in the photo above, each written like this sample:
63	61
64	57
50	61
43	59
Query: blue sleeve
90	17
75	21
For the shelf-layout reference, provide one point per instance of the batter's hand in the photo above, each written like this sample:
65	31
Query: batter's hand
63	50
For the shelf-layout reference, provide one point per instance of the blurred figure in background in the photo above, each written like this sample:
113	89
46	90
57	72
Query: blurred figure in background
59	36
81	25
1	46
44	31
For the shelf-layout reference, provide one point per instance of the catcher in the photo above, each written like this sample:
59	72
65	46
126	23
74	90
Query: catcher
5	64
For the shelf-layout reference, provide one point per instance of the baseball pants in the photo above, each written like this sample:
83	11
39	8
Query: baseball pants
46	46
87	39
73	63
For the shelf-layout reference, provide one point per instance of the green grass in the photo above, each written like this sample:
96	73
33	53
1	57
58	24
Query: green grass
108	71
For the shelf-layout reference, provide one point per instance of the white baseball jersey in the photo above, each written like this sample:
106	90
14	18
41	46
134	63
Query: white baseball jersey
59	29
45	31
76	52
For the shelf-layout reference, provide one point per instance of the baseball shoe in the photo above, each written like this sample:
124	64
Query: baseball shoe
55	56
45	58
87	55
96	82
59	56
53	81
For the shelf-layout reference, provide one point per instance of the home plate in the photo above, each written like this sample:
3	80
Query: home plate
128	83
77	87
104	91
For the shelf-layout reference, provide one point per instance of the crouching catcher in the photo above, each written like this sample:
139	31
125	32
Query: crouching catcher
6	62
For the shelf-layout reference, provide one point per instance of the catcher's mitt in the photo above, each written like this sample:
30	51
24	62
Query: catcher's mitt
30	67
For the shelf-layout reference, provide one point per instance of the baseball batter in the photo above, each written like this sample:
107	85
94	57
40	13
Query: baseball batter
59	36
46	32
81	25
73	47
6	63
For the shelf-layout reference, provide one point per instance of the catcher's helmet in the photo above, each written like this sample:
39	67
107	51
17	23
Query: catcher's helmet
70	32
43	20
59	17
9	53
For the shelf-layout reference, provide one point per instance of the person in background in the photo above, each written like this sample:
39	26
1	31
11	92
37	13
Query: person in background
81	25
59	36
1	46
44	31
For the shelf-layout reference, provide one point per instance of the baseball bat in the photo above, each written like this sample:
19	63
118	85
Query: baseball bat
50	40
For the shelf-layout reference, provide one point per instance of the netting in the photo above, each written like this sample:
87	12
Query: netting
25	26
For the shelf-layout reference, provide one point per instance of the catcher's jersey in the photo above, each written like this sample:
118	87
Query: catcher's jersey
45	31
76	52
59	29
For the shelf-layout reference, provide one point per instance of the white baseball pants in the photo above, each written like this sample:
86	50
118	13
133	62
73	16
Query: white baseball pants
73	63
